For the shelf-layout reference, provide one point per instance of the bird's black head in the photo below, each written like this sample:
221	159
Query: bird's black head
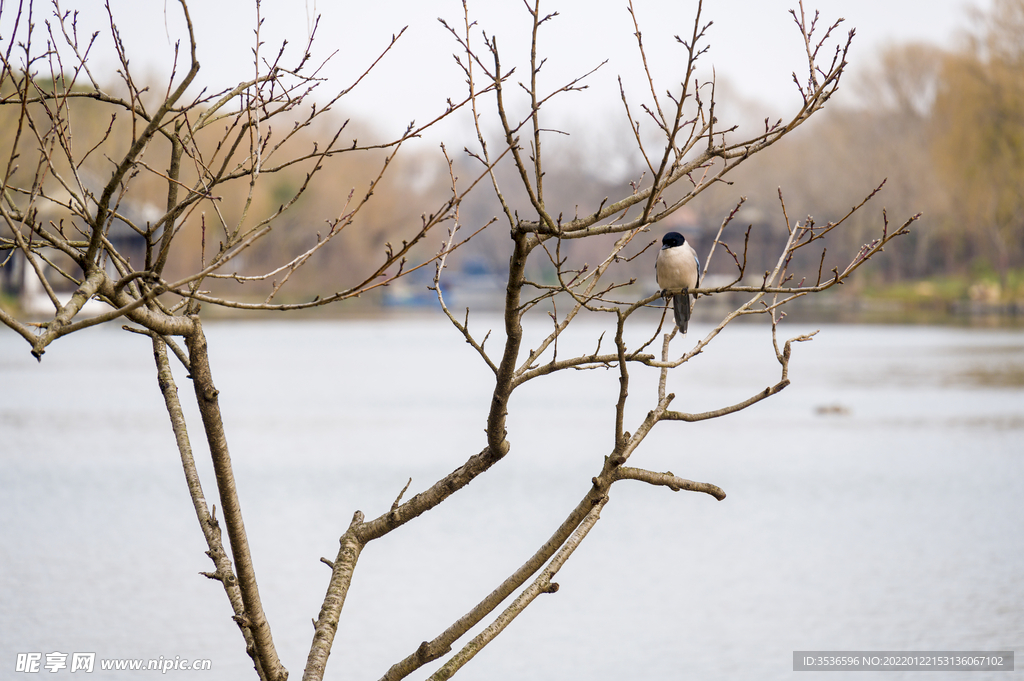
671	240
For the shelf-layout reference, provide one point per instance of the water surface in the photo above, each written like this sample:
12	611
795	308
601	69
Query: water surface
873	505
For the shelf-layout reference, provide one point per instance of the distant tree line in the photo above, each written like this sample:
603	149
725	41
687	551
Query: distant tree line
945	124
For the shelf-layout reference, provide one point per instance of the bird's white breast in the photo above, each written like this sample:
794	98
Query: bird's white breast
676	268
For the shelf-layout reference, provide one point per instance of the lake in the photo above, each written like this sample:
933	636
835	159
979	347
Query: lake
875	504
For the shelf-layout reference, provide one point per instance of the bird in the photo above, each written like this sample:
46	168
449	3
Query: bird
677	267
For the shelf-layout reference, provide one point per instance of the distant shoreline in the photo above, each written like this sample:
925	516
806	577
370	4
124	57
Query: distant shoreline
837	309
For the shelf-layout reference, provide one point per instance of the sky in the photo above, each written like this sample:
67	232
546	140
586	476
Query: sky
755	46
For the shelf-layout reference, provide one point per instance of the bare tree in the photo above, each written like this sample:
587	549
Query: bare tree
198	146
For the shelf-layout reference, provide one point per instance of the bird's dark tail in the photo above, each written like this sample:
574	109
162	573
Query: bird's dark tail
681	307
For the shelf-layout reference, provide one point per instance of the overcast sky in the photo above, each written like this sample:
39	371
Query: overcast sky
755	45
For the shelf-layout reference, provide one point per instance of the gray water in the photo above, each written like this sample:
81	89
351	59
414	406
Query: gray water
875	504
